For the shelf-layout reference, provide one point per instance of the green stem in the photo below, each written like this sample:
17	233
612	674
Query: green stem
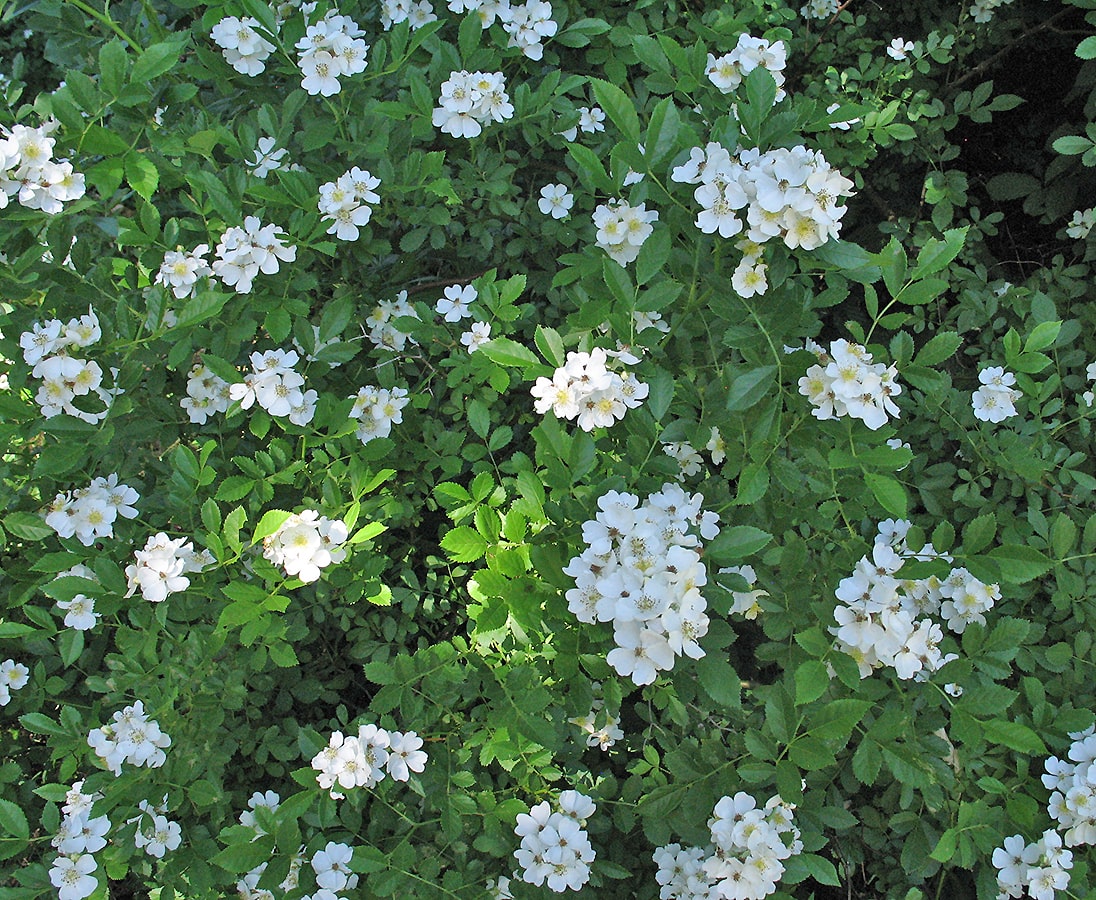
106	20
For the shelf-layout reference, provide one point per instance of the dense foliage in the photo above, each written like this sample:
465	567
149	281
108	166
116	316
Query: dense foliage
495	449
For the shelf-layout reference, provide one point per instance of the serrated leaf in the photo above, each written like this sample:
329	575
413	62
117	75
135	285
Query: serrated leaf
979	532
272	520
811	681
1072	145
940	348
888	492
920	292
1014	735
719	680
141	174
1020	563
506	352
748	389
550	344
738	542
27	526
13	821
618	107
464	544
158	59
1042	336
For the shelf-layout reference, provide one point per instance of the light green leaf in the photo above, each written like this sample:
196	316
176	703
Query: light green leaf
618	107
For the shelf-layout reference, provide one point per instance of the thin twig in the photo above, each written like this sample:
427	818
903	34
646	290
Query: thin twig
1004	51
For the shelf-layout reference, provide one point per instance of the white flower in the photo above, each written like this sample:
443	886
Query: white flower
405	755
478	335
71	876
899	49
267	158
453	306
555	201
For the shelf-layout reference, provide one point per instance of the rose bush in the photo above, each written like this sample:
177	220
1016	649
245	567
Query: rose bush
739	544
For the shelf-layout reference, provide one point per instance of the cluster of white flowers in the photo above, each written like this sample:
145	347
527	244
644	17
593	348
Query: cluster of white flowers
622	229
642	571
746	603
162	566
415	14
78	837
605	736
181	270
819	9
89	513
241	44
684	454
1073	789
382	333
1034	870
156	834
64	378
80	613
1081	223
845	382
13	677
132	737
305	543
884	620
556	201
245	252
728	71
364	761
377	410
469	100
29	171
591	120
899	49
276	386
528	24
788	193
745	859
207	393
330	49
995	399
585	389
554	845
345	203
982	10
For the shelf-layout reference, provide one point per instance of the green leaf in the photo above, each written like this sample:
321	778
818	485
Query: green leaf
719	680
506	352
892	262
15	630
1014	735
748	389
1042	336
13	821
618	107
941	347
158	59
37	723
921	292
590	169
464	544
945	847
660	394
1087	48
888	492
204	306
272	520
244	857
738	542
27	526
618	282
1072	145
979	532
113	62
141	174
550	344
660	142
811	681
1020	563
70	643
